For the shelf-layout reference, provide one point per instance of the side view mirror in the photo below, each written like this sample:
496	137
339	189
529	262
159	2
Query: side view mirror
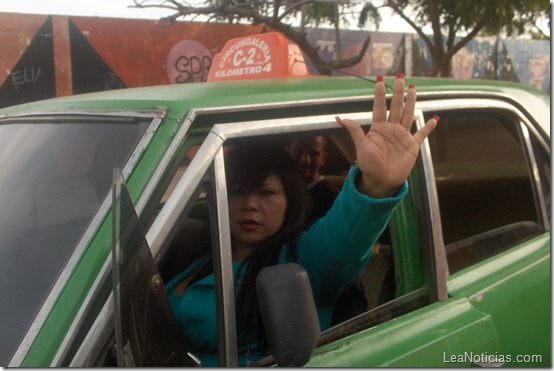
288	313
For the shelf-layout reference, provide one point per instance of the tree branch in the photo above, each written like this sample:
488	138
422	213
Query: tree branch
463	42
226	9
398	10
289	10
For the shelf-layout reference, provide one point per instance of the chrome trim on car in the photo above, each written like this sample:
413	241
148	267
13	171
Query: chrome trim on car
105	316
523	100
285	125
176	143
156	112
52	297
100	331
440	264
538	191
185	188
223	268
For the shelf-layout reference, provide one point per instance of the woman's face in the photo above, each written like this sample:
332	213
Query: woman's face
258	215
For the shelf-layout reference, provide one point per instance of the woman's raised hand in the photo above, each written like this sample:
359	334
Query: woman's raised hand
387	152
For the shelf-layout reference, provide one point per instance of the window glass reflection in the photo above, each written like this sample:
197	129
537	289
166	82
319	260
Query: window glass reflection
54	178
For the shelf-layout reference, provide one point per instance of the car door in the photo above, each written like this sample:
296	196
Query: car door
495	310
411	335
496	228
181	205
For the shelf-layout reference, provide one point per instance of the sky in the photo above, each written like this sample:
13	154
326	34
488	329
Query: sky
121	9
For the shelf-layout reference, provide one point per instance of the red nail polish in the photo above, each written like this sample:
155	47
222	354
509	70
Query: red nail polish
380	78
339	121
399	75
411	86
437	118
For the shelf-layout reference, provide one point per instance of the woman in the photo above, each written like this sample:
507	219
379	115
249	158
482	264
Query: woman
267	209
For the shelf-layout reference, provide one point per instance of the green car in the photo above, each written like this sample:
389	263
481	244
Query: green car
460	277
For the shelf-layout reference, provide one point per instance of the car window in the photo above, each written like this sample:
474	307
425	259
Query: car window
374	294
183	164
55	174
484	185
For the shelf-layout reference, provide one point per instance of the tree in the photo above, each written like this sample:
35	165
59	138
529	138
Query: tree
456	22
272	13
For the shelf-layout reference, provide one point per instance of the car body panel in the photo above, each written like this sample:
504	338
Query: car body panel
452	328
179	99
188	113
503	286
480	304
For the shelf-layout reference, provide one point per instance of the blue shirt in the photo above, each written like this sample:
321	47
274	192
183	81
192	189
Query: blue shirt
333	251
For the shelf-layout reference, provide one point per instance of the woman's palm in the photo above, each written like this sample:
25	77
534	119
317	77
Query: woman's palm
387	152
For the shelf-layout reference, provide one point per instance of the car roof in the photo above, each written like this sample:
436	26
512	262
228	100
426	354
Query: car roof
179	99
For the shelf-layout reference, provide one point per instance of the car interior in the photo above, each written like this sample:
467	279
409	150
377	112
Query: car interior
193	239
487	203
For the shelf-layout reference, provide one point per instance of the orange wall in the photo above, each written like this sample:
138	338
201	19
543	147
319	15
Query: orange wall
135	50
16	33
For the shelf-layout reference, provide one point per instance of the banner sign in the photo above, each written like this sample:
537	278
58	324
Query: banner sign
263	56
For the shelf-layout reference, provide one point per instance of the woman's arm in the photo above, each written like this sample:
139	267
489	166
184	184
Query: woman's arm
337	247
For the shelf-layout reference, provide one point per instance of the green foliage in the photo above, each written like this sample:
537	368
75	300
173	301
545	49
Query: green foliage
510	16
318	13
369	12
315	12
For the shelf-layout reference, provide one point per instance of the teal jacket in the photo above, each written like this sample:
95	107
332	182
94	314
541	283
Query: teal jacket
333	251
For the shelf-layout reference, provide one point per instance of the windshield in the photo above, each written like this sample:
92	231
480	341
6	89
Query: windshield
54	176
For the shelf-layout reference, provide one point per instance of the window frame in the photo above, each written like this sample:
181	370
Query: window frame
212	150
525	129
156	117
228	356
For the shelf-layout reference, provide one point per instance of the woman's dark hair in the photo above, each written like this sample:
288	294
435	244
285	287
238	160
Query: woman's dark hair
246	168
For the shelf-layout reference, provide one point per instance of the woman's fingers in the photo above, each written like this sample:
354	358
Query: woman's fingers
401	112
409	107
354	129
380	101
424	132
397	102
357	133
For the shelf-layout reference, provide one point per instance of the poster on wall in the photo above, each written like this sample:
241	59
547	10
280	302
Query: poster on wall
476	60
525	61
